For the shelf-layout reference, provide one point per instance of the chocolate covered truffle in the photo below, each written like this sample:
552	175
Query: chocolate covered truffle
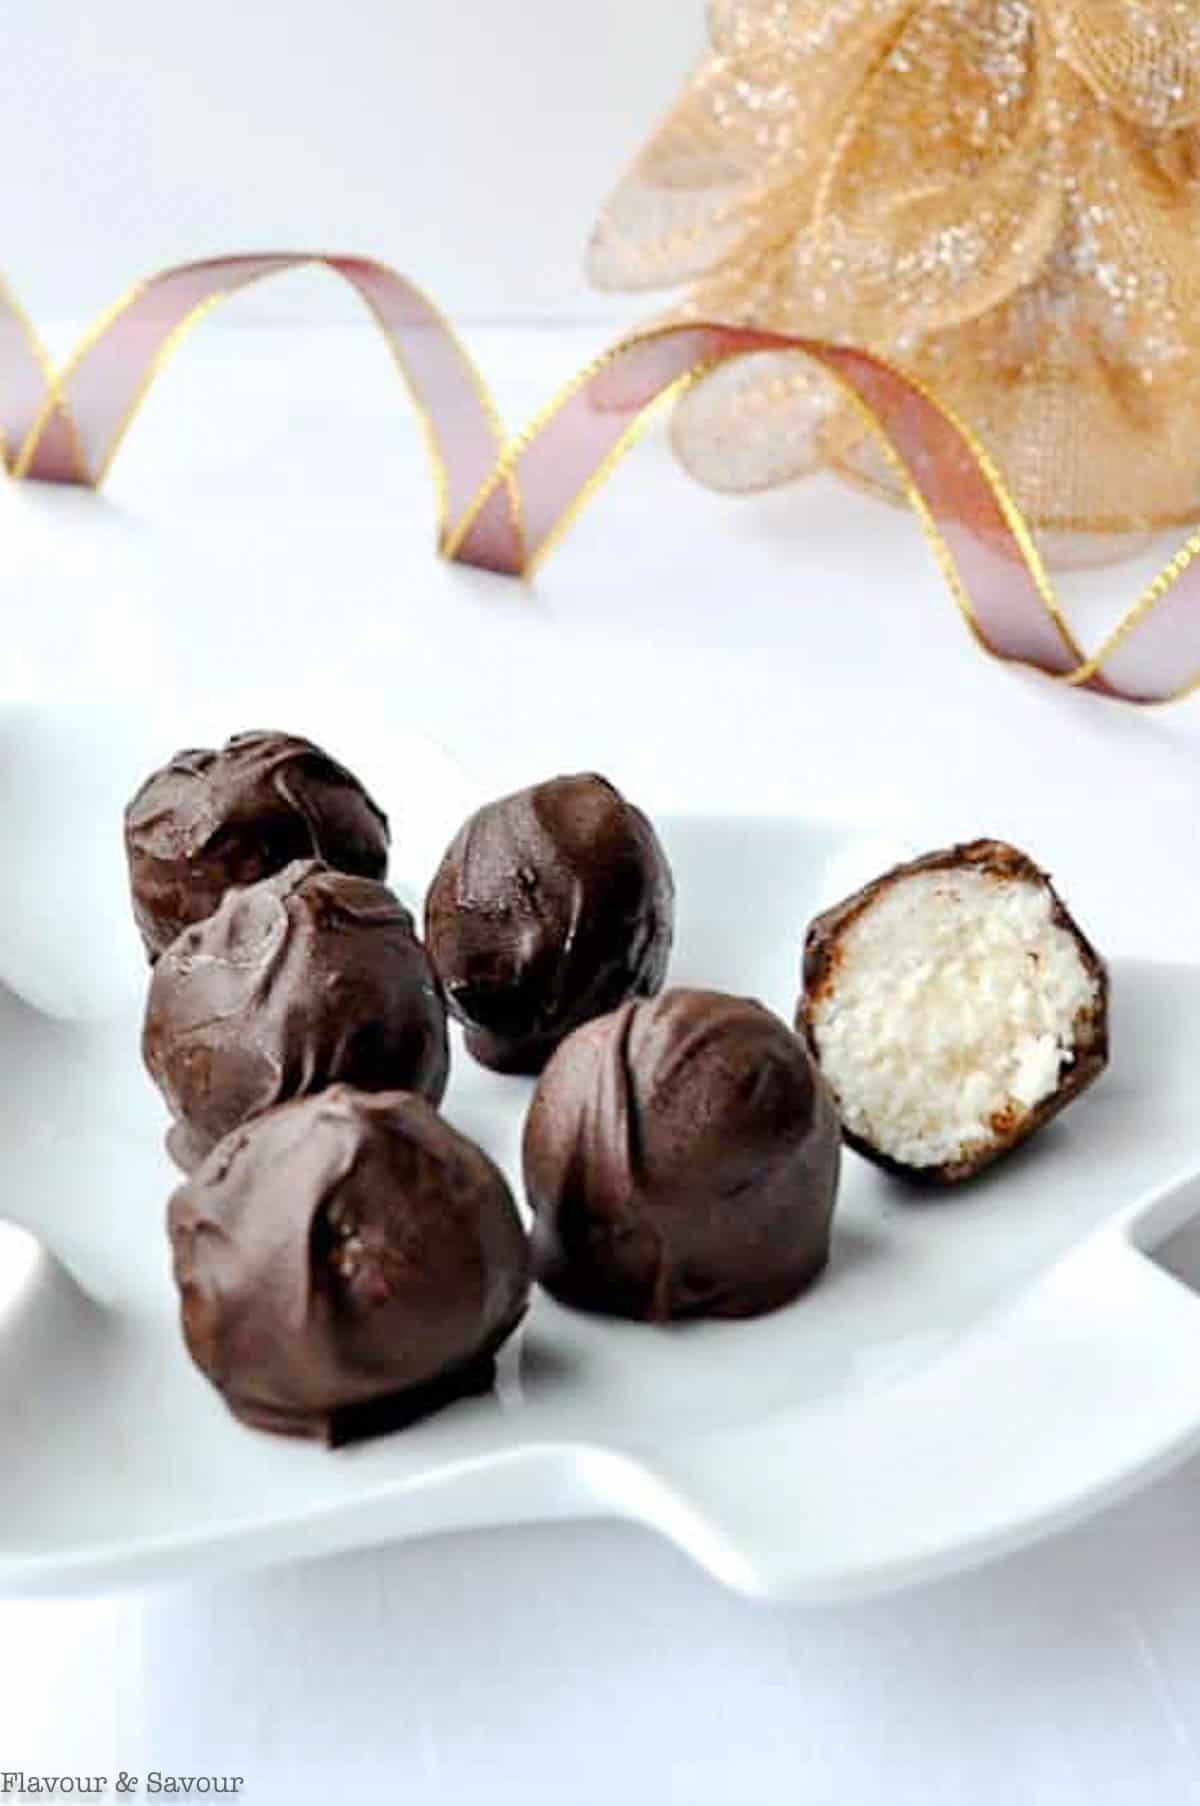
209	820
551	906
305	978
681	1158
347	1263
954	1007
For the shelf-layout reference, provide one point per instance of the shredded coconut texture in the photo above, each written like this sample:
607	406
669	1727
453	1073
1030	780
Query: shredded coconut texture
953	1008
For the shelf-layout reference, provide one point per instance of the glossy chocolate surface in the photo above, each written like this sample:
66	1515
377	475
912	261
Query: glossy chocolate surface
347	1263
552	906
209	820
309	977
681	1159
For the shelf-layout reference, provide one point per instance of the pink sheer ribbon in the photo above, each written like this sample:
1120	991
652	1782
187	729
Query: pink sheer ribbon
504	503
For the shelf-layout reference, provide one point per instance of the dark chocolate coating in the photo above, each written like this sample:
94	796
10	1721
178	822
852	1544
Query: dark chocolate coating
822	956
681	1159
209	820
551	906
347	1263
308	977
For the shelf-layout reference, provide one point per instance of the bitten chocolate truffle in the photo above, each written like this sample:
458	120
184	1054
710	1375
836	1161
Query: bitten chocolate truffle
551	906
347	1263
954	1007
209	820
306	978
681	1158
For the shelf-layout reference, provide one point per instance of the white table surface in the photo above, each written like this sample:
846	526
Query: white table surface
790	653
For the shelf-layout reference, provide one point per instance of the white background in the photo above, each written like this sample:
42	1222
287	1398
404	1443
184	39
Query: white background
470	142
791	652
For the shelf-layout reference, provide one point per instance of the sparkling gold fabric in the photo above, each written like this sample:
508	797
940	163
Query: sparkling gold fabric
1002	196
504	503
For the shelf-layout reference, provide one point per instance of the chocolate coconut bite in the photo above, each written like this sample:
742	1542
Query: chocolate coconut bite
681	1159
306	978
346	1264
209	820
551	907
954	1006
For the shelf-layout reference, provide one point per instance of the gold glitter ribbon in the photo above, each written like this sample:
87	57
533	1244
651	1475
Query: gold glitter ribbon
503	504
1003	196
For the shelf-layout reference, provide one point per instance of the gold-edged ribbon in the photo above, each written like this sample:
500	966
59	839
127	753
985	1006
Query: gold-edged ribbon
504	503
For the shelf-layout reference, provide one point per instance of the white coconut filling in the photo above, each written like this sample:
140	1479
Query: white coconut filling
950	1013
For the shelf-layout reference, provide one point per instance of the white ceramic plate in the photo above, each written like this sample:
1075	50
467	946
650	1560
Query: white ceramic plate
974	1369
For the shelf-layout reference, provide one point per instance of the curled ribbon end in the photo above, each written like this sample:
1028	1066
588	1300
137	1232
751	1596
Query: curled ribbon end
505	504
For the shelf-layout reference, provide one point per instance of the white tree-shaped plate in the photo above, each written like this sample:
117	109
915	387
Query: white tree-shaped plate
975	1369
